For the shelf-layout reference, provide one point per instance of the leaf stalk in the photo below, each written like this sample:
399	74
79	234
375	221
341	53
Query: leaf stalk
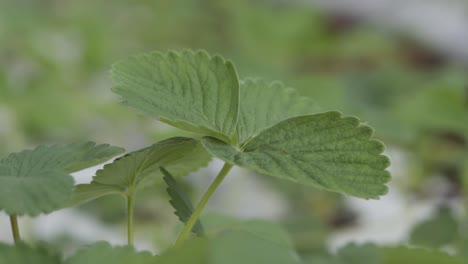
15	228
130	206
203	201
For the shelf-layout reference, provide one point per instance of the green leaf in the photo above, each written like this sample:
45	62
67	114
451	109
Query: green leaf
360	254
102	252
180	202
189	90
37	181
24	254
230	247
400	255
76	157
371	254
243	247
264	104
216	224
440	230
141	168
325	150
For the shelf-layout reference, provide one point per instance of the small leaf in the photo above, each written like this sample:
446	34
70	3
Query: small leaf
189	90
141	168
102	252
440	230
325	150
263	105
37	181
180	202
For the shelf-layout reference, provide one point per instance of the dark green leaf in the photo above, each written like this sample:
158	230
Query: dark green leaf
180	201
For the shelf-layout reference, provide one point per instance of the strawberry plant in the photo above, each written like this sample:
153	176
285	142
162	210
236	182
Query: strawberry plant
264	127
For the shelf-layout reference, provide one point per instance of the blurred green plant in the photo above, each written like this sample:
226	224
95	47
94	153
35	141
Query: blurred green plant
64	50
201	93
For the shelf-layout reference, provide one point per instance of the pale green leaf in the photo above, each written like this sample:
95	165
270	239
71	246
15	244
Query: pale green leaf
325	150
141	168
37	181
102	252
264	104
180	201
190	90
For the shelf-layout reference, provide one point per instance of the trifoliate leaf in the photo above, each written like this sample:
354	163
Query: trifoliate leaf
325	150
37	181
102	252
24	254
141	168
264	104
189	90
440	230
180	202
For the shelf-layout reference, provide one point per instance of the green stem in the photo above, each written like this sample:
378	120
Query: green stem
201	205
15	228
130	203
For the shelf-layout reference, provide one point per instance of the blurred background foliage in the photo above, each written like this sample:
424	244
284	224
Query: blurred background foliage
55	87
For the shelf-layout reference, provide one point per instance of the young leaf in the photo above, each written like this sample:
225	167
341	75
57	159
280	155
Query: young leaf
102	252
264	104
141	168
180	201
189	90
37	181
325	150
